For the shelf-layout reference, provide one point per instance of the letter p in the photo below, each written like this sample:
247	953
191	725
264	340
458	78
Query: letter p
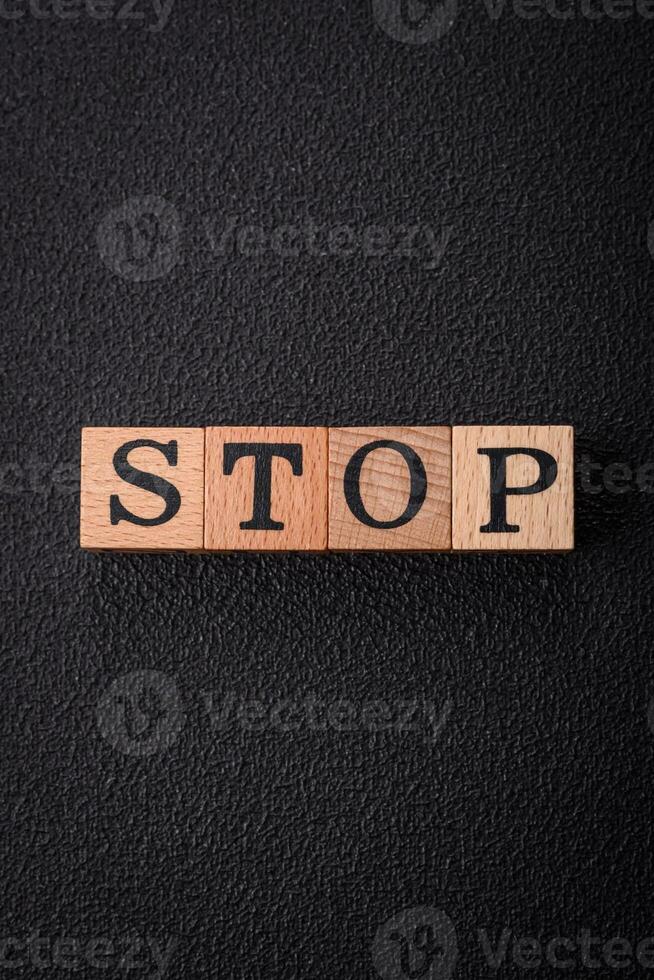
499	490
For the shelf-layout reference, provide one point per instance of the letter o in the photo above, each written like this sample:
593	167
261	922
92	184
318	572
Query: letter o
352	488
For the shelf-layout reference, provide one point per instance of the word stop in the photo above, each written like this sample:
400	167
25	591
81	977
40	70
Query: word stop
286	488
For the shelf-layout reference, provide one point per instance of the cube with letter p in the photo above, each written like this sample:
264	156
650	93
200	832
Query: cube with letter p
513	487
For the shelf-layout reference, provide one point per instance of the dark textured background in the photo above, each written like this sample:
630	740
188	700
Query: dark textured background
280	854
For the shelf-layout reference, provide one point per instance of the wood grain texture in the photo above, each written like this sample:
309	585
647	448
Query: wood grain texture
99	481
545	519
298	502
385	483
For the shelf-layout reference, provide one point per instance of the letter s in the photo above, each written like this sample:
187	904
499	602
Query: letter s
146	481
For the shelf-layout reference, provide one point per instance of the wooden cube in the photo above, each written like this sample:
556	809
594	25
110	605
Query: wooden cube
513	487
390	488
266	489
142	489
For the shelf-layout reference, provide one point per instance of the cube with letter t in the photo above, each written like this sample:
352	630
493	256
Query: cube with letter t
512	488
266	488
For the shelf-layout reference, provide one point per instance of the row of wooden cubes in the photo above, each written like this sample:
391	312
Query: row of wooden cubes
270	488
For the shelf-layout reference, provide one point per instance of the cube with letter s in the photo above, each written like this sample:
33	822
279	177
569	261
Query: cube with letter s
142	489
